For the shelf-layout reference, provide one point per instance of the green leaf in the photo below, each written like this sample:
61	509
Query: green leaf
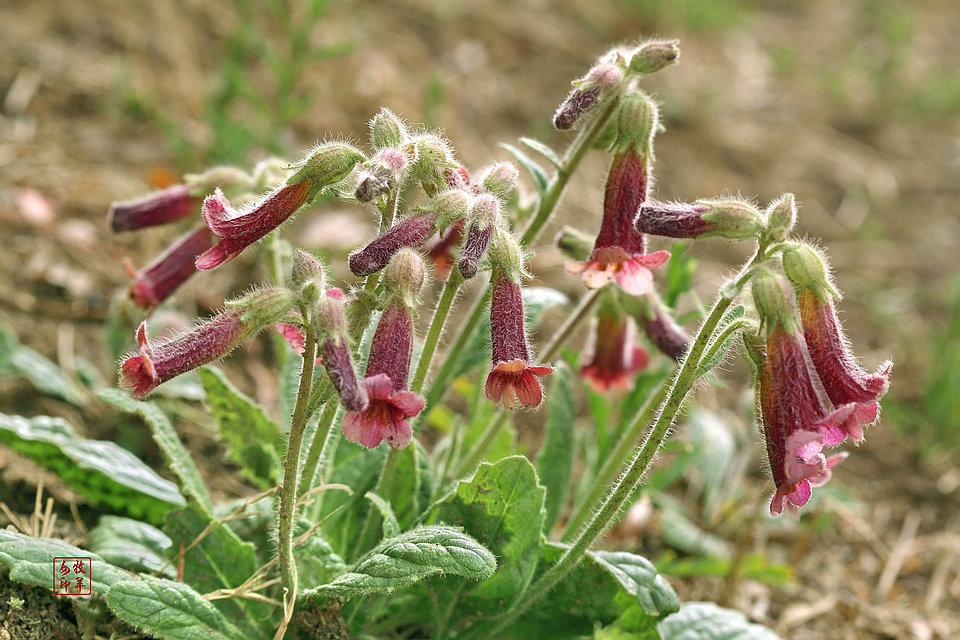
537	175
409	558
502	507
316	561
170	445
680	270
543	150
133	545
639	579
102	471
31	561
718	352
555	461
707	621
391	527
253	440
169	610
19	360
221	560
682	533
715	454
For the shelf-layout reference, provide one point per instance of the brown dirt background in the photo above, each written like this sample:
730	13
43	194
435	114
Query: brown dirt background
852	106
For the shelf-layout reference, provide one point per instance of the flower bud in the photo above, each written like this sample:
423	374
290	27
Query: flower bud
483	216
448	207
574	243
387	129
806	268
601	81
380	174
733	219
651	57
160	207
637	122
405	276
412	232
663	331
433	157
262	306
331	316
773	298
506	254
781	216
307	277
326	164
500	179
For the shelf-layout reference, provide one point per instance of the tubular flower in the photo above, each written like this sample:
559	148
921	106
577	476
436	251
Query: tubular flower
512	374
796	425
170	269
613	354
411	232
335	351
160	207
732	219
663	331
160	361
388	367
618	252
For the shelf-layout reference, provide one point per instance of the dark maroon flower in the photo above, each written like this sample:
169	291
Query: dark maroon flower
731	219
600	81
484	213
512	374
170	269
612	355
618	252
664	332
160	207
409	233
160	361
335	350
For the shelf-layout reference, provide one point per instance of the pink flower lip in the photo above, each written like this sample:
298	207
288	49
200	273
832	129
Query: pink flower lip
631	272
516	378
385	417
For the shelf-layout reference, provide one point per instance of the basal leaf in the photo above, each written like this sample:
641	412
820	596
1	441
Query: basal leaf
170	445
169	610
555	461
543	150
102	471
31	561
708	621
133	545
391	527
537	175
409	558
253	440
19	360
639	579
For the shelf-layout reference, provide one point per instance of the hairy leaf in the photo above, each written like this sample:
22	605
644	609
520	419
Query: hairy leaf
31	561
169	610
170	445
409	558
708	621
390	525
253	440
102	471
555	461
133	545
316	561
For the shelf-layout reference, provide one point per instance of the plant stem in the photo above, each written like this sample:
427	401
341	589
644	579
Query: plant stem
627	482
441	382
288	490
436	328
317	445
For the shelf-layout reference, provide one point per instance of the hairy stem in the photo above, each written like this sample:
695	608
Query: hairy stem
317	446
436	329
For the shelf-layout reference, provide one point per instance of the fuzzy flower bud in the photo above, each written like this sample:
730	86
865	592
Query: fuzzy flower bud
433	159
405	276
331	324
160	207
411	232
807	269
380	174
781	216
637	122
483	216
307	277
500	179
448	207
651	57
663	331
601	81
387	129
506	255
327	164
159	361
773	299
732	219
172	268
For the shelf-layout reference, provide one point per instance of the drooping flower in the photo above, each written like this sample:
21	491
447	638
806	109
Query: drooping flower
512	374
335	351
327	164
662	330
618	252
796	425
732	219
160	207
159	361
843	379
156	282
484	214
388	367
612	354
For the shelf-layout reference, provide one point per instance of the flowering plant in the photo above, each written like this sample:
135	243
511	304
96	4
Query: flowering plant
381	514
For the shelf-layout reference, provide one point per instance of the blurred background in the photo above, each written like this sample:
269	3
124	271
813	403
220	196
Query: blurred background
853	106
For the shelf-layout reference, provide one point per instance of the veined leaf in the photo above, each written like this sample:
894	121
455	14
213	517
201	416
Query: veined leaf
537	175
543	150
170	610
170	445
708	621
133	545
555	461
391	527
253	440
19	360
409	558
102	471
31	561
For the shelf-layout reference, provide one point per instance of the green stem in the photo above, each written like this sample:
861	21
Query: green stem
317	446
288	490
441	382
436	329
627	482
